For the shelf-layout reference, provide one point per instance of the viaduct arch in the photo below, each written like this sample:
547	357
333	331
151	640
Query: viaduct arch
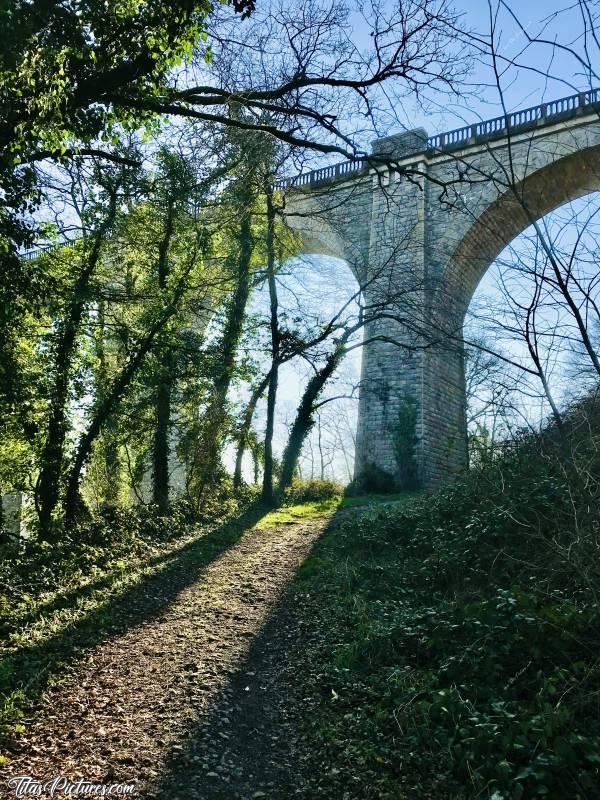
419	223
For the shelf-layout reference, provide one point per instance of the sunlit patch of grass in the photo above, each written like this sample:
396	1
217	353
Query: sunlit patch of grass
289	515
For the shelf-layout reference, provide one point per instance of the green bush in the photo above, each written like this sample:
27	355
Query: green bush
311	491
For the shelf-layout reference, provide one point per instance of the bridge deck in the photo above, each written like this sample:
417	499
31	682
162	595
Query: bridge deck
527	119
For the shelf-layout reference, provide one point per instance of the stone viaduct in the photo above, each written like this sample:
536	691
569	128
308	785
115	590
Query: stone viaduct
418	222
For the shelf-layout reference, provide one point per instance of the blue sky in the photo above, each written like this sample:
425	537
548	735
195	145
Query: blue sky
545	73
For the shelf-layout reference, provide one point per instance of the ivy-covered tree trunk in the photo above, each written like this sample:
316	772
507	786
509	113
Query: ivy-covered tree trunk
244	434
267	488
47	491
112	463
304	416
114	394
209	447
160	450
162	402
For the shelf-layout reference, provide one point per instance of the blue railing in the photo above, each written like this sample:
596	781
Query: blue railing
339	170
29	255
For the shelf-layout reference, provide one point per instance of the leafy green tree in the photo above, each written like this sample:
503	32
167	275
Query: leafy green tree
154	319
238	264
114	186
175	186
61	65
157	250
243	245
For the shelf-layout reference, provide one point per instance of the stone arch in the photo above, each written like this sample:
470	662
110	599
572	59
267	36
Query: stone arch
443	240
498	223
319	238
541	192
333	221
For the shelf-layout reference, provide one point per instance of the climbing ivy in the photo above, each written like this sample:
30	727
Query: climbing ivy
404	438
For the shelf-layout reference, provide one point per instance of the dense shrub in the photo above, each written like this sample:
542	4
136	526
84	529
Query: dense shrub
465	628
311	491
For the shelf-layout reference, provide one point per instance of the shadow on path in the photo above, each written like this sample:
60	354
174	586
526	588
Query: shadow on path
29	668
249	744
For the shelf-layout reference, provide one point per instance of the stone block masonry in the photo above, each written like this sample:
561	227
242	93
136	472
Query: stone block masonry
419	230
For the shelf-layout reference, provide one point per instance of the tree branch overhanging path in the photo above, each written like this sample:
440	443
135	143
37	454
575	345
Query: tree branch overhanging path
199	607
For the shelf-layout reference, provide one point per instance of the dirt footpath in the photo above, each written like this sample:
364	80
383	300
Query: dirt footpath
189	703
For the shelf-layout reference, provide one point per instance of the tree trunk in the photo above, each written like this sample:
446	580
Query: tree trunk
531	339
245	429
162	401
160	450
210	443
267	488
304	416
111	449
51	460
321	455
107	406
571	302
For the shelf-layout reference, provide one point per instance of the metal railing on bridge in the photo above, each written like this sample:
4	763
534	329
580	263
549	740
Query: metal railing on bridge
517	122
339	170
36	252
480	132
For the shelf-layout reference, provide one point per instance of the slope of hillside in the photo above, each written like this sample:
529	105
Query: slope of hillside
457	649
440	647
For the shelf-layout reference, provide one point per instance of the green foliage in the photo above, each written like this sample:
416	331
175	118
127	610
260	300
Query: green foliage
56	64
142	329
73	78
307	491
463	629
303	512
404	440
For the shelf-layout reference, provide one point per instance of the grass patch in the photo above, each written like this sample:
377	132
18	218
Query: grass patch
289	515
300	512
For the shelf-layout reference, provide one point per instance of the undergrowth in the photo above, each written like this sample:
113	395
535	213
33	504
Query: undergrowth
459	636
